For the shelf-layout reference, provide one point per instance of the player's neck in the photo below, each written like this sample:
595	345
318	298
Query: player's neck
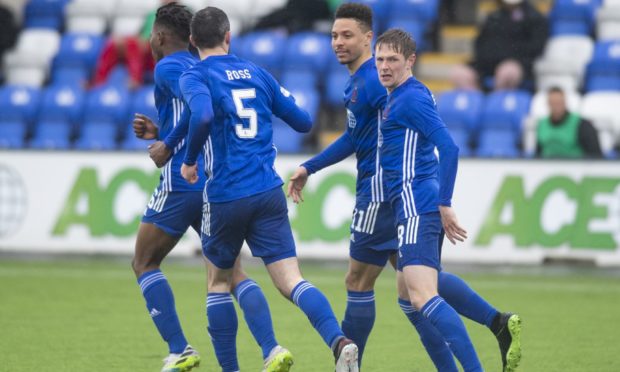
209	52
405	78
174	49
355	65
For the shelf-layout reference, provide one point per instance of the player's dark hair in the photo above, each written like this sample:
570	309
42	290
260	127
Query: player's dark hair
175	18
398	40
209	27
555	89
359	12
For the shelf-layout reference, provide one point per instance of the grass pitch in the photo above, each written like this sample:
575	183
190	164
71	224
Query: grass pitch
89	315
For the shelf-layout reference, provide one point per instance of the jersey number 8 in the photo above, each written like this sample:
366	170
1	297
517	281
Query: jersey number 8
245	113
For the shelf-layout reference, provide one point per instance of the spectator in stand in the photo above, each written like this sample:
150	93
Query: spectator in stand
134	51
8	29
299	15
508	75
515	31
564	134
464	77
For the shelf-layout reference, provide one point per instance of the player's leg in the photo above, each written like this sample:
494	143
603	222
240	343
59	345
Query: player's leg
270	237
373	239
224	228
419	262
431	339
253	303
164	222
360	313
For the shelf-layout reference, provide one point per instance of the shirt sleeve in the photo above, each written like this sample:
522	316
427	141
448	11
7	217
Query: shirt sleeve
339	150
167	76
422	114
198	98
448	164
588	139
179	131
285	107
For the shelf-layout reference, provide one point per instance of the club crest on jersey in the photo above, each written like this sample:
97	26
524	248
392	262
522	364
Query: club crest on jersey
351	119
354	95
385	112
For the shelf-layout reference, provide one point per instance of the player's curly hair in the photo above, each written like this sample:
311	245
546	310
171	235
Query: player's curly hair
176	18
398	40
359	12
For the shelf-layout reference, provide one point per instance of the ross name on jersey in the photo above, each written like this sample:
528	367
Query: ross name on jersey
238	74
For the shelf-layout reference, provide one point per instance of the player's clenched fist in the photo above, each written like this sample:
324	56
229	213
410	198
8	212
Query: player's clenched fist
190	173
296	184
143	127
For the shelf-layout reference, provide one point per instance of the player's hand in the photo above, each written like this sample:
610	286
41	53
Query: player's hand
190	173
143	127
297	183
451	226
160	153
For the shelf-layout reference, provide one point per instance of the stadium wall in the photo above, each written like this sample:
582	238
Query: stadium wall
515	211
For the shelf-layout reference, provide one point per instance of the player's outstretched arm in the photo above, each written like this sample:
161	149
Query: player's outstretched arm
144	127
296	184
451	226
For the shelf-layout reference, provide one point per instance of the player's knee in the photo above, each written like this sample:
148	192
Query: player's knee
356	281
141	264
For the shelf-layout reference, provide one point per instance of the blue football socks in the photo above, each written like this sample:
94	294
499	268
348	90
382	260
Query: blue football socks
223	329
160	305
256	313
447	321
432	340
318	310
464	300
359	318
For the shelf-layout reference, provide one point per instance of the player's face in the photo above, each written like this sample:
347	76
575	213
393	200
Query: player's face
349	41
155	43
393	68
557	105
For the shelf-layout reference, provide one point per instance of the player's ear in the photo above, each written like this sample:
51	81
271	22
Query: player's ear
411	60
227	38
191	41
369	35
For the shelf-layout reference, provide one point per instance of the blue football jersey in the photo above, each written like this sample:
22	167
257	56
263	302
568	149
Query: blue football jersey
408	158
239	152
170	106
364	98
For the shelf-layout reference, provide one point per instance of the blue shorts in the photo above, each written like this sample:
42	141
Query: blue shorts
420	239
261	220
174	212
373	233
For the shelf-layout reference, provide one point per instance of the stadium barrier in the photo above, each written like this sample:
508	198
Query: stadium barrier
515	211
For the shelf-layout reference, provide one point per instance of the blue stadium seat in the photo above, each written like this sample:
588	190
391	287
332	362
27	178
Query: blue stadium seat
502	117
334	87
265	48
52	135
498	143
307	99
424	11
603	71
44	14
380	12
19	103
97	136
573	17
299	79
70	76
12	134
108	103
143	102
308	51
132	143
78	50
62	103
461	111
415	27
